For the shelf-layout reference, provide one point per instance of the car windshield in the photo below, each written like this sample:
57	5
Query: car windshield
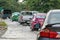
26	13
15	14
54	17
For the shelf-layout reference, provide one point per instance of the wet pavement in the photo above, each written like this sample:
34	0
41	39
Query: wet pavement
18	32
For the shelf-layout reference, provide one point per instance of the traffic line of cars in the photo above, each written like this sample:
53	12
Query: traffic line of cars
26	16
32	18
49	24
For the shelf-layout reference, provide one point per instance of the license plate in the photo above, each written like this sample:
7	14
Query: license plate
28	21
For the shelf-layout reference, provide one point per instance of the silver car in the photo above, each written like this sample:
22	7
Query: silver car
51	27
26	16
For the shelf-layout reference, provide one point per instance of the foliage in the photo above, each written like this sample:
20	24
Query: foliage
3	24
35	5
42	5
10	4
22	6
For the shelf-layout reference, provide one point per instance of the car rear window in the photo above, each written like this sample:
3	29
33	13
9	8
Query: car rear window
55	28
54	17
26	13
40	16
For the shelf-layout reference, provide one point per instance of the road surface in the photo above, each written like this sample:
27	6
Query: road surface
18	32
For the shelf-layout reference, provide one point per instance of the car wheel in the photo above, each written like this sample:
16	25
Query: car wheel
36	29
9	17
32	29
20	22
28	24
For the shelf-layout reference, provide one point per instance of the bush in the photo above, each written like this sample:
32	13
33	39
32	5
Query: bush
3	24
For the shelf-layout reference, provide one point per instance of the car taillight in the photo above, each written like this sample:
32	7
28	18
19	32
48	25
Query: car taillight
58	36
33	19
21	17
48	34
44	33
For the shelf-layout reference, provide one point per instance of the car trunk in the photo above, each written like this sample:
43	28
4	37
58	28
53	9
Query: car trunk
40	20
55	28
27	17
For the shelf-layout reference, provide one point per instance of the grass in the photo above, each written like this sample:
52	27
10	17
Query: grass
3	24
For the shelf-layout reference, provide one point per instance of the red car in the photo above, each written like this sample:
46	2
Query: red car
51	27
37	21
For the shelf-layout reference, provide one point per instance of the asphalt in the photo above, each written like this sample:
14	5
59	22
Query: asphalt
18	32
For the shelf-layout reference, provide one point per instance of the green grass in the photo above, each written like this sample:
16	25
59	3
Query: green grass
3	24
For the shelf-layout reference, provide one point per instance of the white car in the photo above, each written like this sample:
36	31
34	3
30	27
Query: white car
51	27
26	16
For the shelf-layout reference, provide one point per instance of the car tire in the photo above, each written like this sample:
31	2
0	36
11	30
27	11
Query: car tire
28	24
21	23
36	29
9	17
32	29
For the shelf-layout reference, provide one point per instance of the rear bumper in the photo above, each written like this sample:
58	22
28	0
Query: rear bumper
14	19
26	21
35	25
42	38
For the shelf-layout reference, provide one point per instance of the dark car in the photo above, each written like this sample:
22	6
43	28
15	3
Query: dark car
6	13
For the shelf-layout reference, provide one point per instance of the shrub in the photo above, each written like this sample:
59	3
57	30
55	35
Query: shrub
3	24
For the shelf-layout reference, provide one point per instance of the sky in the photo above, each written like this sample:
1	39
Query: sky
20	0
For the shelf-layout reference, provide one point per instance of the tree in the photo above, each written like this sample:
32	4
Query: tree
10	4
42	5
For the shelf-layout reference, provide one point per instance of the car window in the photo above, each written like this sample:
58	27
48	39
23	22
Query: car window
54	17
35	12
41	16
26	13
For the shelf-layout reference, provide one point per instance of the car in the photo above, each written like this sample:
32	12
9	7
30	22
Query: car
51	27
6	13
14	16
37	21
26	16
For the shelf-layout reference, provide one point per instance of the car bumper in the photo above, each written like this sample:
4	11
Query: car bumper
26	21
42	38
15	19
36	25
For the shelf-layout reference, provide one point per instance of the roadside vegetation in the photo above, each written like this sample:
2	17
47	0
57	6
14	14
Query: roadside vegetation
37	5
3	24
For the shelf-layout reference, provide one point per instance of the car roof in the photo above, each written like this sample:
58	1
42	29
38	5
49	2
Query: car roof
56	10
41	14
45	23
29	11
